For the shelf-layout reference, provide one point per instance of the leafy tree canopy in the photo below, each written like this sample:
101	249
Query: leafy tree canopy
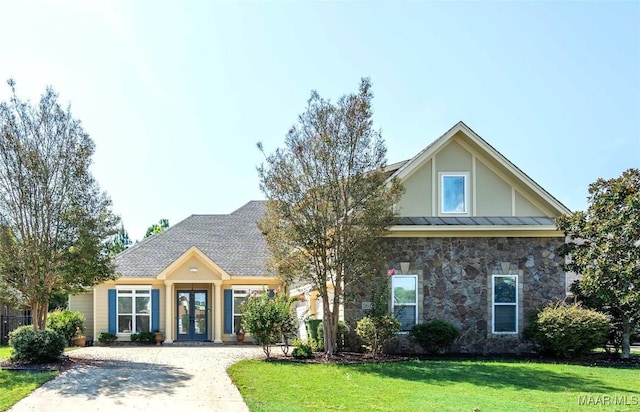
156	228
603	245
55	222
329	202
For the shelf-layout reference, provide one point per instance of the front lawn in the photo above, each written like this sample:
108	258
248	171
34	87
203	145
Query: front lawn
435	385
17	385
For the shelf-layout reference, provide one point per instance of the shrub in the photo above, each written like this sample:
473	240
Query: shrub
570	330
343	331
376	331
435	336
302	350
268	318
65	322
36	346
107	338
143	337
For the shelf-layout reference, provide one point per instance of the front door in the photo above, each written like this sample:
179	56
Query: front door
192	314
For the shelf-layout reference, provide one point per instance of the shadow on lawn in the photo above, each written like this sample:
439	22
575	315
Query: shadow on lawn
494	375
117	379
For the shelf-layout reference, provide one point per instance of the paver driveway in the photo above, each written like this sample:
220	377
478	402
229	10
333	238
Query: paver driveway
144	378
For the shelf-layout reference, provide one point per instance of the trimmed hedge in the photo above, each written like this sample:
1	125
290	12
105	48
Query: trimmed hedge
435	336
570	330
36	346
376	331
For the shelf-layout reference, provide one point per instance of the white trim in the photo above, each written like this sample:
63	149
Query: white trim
494	304
249	289
415	304
140	287
472	228
473	184
513	201
467	206
434	188
133	295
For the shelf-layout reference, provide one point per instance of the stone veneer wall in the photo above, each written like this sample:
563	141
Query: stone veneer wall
455	281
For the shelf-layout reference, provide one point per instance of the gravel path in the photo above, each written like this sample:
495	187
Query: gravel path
144	378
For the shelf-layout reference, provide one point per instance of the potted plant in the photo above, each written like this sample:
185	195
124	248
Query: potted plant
240	335
159	336
79	339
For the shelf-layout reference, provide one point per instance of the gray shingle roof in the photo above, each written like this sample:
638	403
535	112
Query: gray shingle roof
232	241
475	221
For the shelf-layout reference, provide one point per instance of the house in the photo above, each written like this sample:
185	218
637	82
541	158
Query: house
475	245
186	282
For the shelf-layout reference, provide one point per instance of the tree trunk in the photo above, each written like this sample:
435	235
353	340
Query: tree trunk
39	312
328	327
626	337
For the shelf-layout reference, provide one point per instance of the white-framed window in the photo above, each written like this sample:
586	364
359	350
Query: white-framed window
404	298
133	309
505	303
240	293
454	193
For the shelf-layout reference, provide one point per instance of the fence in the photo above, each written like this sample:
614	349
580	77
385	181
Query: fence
10	323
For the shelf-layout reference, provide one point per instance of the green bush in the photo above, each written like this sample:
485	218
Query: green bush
36	346
65	322
107	338
376	331
302	350
435	336
570	330
343	331
143	337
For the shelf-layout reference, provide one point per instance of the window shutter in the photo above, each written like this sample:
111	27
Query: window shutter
112	311
228	311
272	293
155	310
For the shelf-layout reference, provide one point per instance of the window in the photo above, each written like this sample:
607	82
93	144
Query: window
404	295
454	193
239	295
505	304
134	310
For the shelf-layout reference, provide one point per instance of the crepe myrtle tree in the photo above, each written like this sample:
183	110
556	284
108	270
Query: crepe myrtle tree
603	245
329	202
55	223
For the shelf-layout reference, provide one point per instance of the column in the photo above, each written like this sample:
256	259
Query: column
168	310
217	312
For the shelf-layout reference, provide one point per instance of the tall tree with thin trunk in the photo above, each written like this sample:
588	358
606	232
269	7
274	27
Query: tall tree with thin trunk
329	203
603	245
55	223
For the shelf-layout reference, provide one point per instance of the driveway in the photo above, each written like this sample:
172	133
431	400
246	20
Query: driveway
144	378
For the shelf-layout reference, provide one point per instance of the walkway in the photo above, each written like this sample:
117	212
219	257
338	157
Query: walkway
126	378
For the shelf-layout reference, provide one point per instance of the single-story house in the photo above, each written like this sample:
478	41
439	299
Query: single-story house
187	281
476	245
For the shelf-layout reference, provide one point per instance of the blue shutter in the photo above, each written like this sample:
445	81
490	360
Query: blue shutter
112	311
155	310
272	293
228	311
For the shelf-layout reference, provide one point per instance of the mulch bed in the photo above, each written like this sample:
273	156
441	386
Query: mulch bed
350	358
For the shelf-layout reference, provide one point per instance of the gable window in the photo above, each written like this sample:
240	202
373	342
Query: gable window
454	193
505	304
133	310
404	298
239	296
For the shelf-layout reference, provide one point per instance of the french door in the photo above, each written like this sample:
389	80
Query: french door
191	312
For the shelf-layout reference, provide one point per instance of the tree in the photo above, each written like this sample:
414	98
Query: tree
54	220
121	241
329	202
156	228
603	245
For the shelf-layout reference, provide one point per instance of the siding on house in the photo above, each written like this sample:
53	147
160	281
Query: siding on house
83	303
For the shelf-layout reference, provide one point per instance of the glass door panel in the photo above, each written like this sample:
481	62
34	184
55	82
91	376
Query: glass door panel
192	314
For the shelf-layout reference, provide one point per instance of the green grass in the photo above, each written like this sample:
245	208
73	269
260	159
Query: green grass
17	385
433	385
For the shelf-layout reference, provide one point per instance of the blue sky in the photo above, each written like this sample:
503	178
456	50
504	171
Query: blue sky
176	95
